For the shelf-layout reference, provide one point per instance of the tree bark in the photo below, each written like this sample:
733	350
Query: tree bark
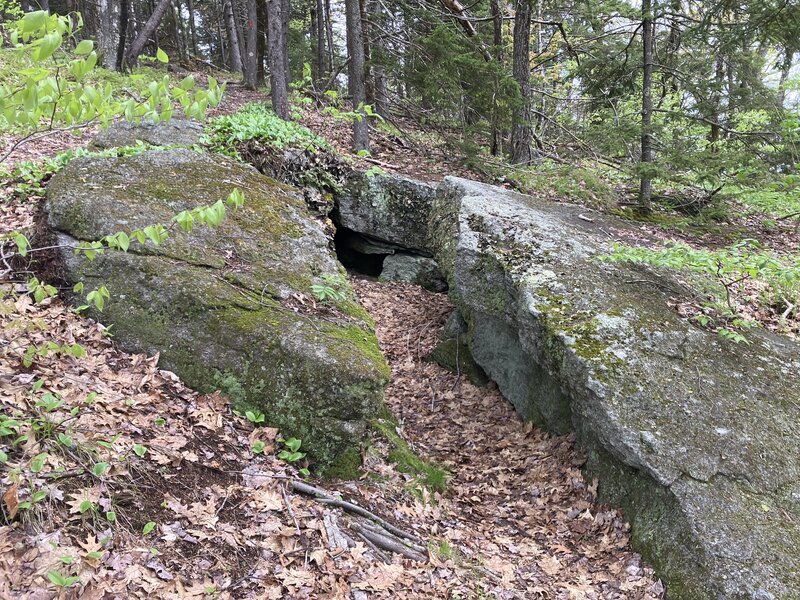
278	76
251	45
286	13
149	28
355	80
123	32
320	46
262	40
647	155
522	127
497	24
192	25
233	37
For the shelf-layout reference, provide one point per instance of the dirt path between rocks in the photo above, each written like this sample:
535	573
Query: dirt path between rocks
517	503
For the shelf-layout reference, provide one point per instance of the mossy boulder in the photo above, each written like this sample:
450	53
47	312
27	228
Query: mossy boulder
231	307
697	438
175	132
387	207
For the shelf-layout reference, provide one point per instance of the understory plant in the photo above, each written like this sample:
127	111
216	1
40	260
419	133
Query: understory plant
777	279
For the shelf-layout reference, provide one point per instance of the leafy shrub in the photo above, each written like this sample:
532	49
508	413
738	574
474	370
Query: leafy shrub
257	122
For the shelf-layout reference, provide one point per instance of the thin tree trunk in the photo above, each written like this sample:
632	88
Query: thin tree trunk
123	31
522	129
286	13
233	37
262	40
355	82
329	34
788	59
180	30
149	28
251	45
320	48
647	157
279	78
369	85
497	22
192	25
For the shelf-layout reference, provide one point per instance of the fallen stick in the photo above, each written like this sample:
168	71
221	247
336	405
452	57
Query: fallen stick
326	498
381	531
388	543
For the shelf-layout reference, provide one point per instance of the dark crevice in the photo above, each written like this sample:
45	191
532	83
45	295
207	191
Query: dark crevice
358	253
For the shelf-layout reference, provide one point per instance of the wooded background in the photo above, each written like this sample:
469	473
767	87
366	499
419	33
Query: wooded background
696	93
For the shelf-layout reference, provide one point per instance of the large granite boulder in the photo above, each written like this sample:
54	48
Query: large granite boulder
231	307
175	132
387	207
696	438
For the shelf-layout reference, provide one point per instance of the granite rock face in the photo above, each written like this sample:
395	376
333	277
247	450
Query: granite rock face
387	207
696	438
175	132
220	305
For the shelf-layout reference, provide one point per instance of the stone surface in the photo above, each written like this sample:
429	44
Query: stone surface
696	438
454	354
387	207
220	305
175	132
412	268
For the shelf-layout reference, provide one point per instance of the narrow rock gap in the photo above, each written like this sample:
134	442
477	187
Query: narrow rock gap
516	502
358	254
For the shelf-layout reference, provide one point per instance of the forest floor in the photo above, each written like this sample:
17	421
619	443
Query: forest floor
140	487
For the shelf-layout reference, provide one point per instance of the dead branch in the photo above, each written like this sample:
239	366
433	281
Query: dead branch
326	498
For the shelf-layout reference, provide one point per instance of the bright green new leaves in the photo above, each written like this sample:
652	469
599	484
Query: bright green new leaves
53	95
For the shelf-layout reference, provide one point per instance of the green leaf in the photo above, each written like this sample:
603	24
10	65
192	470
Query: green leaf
111	516
37	463
33	21
85	47
258	447
162	56
148	527
65	440
100	469
3	457
139	450
85	506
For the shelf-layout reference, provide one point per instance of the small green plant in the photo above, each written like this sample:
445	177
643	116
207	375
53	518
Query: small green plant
255	417
61	581
292	451
331	289
726	268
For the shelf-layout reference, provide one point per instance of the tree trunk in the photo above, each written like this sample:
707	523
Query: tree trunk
497	23
149	28
329	34
646	182
788	60
286	13
278	76
262	40
355	80
251	45
320	47
123	32
233	37
192	25
522	128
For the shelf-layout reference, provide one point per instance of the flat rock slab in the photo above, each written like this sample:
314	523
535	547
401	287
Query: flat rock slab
695	437
175	132
231	307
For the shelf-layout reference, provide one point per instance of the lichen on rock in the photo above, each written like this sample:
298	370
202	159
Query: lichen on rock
229	307
695	437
